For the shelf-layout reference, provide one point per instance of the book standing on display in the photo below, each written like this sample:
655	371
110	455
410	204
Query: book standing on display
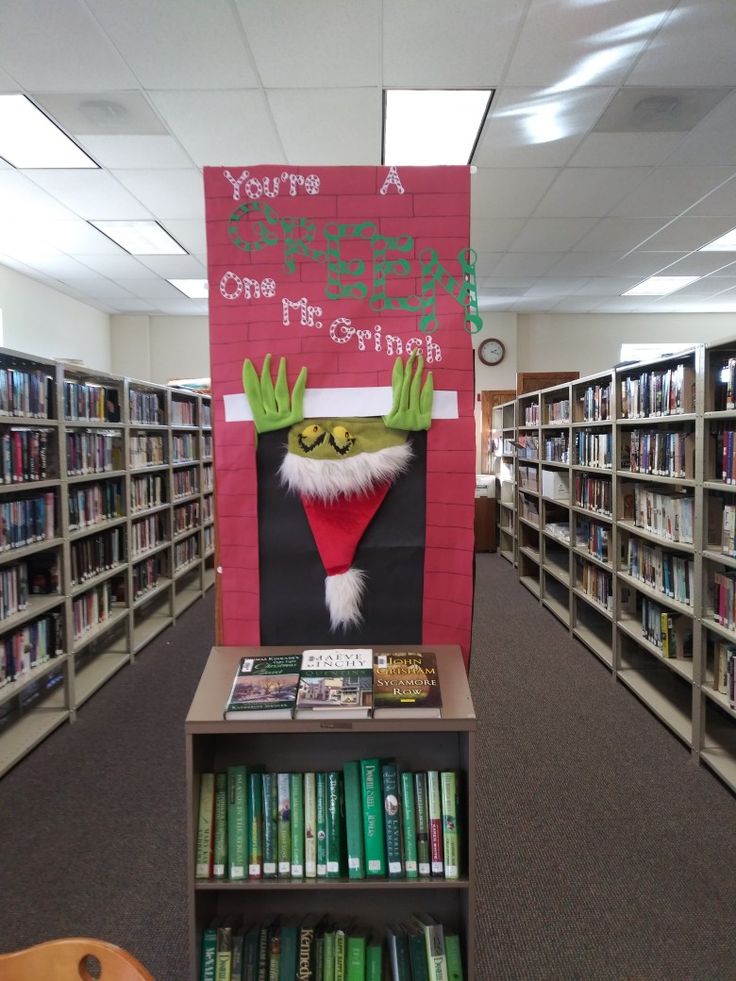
98	554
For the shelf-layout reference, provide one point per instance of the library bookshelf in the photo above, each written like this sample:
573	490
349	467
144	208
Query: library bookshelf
213	744
98	553
626	499
502	458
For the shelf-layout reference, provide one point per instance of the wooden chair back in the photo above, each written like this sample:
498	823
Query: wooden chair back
67	960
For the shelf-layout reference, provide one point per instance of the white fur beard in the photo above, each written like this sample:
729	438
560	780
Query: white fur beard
343	594
327	480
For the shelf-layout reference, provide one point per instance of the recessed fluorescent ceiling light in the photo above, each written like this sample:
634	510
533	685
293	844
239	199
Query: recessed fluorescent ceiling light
140	237
432	127
660	285
196	289
28	138
726	243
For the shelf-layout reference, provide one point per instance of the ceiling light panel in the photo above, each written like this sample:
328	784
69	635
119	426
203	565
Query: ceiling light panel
28	138
660	285
432	127
725	243
140	237
195	289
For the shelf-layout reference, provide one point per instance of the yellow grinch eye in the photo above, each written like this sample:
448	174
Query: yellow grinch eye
341	434
312	432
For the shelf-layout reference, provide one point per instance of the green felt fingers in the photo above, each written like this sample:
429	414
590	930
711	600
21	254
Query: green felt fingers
412	400
273	407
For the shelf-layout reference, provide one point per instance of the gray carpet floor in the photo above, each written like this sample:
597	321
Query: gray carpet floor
603	852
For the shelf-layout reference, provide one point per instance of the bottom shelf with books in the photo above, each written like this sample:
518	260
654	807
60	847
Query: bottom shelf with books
334	747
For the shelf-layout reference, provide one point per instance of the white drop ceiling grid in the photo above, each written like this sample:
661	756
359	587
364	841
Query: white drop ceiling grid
582	190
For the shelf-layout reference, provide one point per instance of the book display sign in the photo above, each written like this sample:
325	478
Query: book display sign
342	303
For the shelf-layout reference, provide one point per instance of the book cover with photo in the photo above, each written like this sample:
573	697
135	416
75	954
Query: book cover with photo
264	687
406	683
337	682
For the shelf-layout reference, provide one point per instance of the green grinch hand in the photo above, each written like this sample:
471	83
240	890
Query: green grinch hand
272	407
412	402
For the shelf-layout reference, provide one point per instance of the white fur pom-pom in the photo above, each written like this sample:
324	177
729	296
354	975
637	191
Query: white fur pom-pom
343	594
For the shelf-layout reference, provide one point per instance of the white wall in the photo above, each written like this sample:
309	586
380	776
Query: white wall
158	349
592	342
39	320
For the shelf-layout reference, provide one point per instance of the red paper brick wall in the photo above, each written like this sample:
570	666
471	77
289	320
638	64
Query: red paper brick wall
433	211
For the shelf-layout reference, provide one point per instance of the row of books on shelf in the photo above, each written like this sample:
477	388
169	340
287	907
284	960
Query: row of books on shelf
724	671
527	446
662	392
662	454
558	411
95	554
146	451
24	455
593	537
27	520
182	413
184	447
531	414
593	494
724	598
341	682
671	633
89	504
147	491
38	575
92	453
596	403
556	449
668	514
25	392
593	449
667	572
595	582
90	403
368	820
92	608
145	407
322	948
725	456
30	646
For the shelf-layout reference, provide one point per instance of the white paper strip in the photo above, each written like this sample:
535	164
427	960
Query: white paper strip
344	402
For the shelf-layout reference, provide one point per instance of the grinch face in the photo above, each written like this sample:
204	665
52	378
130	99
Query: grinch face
336	439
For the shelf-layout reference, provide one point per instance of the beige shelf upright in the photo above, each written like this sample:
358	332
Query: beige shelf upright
503	456
528	486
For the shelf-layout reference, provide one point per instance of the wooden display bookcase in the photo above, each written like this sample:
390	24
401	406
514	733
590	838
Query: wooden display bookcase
448	742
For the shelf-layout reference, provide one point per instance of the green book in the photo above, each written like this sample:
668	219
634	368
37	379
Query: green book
224	955
236	974
274	952
237	821
340	953
328	960
289	950
270	825
373	831
434	945
319	958
205	825
255	822
310	825
354	820
307	949
283	835
409	826
417	953
392	818
334	822
450	846
355	957
454	957
422	824
209	954
434	810
296	793
397	944
250	953
321	803
219	857
374	959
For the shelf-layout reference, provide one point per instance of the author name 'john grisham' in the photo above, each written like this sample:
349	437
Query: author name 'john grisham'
406	680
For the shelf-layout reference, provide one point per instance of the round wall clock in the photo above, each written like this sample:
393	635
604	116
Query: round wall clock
491	351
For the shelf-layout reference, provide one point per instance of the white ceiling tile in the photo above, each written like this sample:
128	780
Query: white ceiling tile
584	263
22	200
89	193
669	191
566	47
321	43
59	47
486	263
456	43
133	305
516	264
694	47
79	238
626	149
190	234
527	128
551	286
643	264
154	288
175	266
713	264
687	234
509	193
116	267
589	192
575	304
136	152
166	193
60	267
183	307
552	234
328	126
608	285
721	202
712	142
99	287
619	234
179	43
222	128
494	234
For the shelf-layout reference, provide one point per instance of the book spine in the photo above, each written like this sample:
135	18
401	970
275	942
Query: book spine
434	941
296	793
236	971
219	858
392	818
310	825
450	847
283	835
434	809
454	957
374	961
409	826
422	824
334	821
418	956
354	820
255	824
375	852
224	956
340	951
355	958
328	956
321	802
209	954
270	825
205	825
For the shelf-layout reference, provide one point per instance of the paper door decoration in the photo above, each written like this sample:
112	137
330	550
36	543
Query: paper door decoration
342	270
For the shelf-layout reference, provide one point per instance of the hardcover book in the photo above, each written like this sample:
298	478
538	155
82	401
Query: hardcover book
336	683
406	683
264	687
